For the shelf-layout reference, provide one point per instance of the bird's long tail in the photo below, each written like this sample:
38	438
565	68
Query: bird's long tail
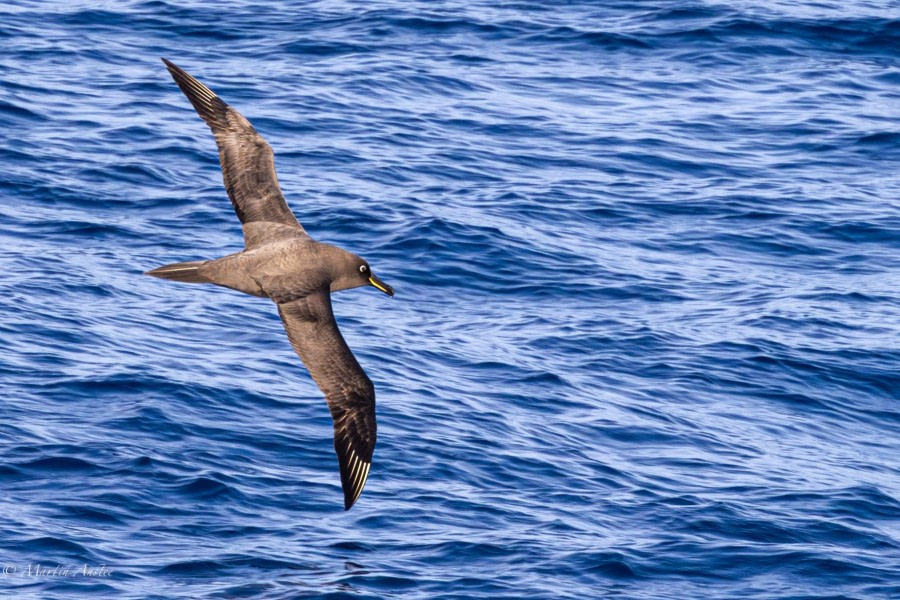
188	272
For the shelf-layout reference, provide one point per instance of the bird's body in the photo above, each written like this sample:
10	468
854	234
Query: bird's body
282	262
296	265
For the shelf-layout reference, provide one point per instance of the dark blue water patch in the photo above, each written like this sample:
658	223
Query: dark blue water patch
51	546
90	516
883	231
866	36
470	59
73	229
324	49
866	502
201	568
204	488
18	114
582	40
8	472
443	25
58	463
176	21
250	590
882	146
606	565
72	588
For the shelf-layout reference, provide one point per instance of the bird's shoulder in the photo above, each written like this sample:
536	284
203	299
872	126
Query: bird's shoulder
287	270
263	233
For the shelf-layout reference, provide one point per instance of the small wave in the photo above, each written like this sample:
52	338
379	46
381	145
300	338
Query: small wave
59	463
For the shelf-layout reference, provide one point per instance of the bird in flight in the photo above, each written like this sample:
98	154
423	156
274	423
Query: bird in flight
282	262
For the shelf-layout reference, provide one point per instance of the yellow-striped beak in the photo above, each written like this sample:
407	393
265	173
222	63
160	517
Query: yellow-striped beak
375	282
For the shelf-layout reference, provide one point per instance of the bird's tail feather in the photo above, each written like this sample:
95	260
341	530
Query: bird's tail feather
188	272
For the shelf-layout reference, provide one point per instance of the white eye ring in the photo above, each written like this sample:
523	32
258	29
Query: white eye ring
363	268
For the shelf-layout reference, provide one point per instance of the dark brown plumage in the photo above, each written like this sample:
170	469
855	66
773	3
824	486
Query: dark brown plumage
248	163
283	263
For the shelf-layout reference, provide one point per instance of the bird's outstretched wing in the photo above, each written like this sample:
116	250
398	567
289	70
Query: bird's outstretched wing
314	334
248	164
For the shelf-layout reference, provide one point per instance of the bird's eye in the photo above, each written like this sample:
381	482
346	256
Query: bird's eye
363	268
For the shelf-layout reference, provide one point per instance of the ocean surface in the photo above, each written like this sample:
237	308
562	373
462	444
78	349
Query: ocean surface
646	337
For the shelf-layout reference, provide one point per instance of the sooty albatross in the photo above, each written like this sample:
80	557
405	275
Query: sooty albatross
282	262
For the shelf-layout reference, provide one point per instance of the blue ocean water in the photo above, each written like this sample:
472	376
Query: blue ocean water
647	331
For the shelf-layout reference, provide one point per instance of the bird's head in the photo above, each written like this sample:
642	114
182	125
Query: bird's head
369	278
356	272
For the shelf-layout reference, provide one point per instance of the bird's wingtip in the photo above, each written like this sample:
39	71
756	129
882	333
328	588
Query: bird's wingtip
172	67
349	501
